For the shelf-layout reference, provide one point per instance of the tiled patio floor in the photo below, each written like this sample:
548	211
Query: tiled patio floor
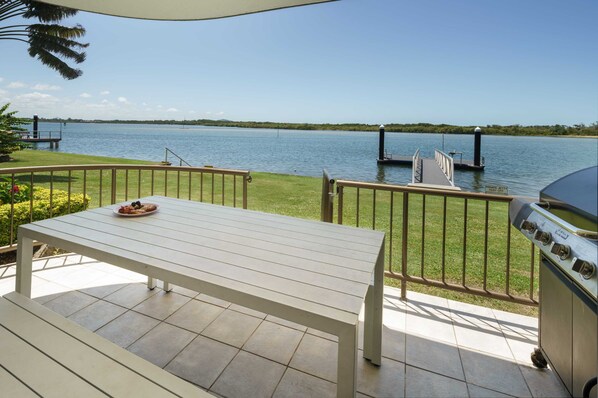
432	347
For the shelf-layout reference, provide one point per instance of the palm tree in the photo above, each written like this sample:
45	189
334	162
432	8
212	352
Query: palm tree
48	41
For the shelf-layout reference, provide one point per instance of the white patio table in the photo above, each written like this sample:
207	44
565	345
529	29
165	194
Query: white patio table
312	273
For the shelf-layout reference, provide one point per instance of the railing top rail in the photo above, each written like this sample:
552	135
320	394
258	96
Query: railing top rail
427	191
37	169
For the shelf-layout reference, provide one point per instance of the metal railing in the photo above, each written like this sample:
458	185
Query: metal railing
113	183
327	200
181	160
416	168
446	164
40	135
460	241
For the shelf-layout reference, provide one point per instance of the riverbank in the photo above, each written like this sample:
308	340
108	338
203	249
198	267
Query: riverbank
579	130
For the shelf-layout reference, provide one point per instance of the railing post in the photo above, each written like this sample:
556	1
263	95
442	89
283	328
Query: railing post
245	181
339	194
327	200
113	188
405	235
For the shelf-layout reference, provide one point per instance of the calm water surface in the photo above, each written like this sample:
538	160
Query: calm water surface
524	164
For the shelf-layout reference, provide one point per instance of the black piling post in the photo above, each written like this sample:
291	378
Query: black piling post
35	121
381	143
477	147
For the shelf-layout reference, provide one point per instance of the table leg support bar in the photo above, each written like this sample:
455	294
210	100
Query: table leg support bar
374	303
24	266
347	363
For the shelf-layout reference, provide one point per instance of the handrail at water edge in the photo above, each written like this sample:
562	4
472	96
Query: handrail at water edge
447	165
117	166
409	215
414	166
426	191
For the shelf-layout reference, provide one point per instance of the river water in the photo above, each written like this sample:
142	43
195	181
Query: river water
523	164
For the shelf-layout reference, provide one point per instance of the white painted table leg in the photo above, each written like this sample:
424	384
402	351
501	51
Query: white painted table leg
167	287
374	303
346	380
151	283
24	265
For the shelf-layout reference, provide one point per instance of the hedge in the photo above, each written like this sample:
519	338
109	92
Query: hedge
41	210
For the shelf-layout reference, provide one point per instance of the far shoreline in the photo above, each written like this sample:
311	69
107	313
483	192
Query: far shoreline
577	131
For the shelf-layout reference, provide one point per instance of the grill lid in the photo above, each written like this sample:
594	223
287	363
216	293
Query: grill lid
574	198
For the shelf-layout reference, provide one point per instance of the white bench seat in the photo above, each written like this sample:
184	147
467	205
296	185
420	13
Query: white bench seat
45	354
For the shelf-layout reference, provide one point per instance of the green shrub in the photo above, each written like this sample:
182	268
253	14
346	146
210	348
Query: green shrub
41	210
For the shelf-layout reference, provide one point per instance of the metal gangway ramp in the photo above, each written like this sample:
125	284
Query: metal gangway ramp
433	173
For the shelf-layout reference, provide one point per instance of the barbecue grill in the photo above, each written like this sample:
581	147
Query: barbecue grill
564	225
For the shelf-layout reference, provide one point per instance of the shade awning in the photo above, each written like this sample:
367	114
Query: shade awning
179	10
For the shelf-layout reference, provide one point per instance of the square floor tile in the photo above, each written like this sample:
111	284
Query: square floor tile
202	361
247	311
131	295
232	328
161	344
102	290
274	342
420	383
298	384
162	305
69	303
127	328
195	315
387	380
213	300
543	382
481	392
97	314
489	342
437	357
494	373
316	356
249	376
284	322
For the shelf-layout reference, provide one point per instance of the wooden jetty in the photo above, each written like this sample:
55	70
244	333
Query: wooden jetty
477	164
36	136
399	160
433	173
51	137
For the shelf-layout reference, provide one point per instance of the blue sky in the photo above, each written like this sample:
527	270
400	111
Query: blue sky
369	61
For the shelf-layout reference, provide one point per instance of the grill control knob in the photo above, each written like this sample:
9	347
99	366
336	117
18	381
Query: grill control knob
544	237
585	268
529	226
562	251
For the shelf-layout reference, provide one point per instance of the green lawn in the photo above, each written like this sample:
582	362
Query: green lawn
300	197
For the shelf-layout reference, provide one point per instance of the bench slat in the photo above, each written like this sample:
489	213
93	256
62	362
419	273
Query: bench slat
36	370
12	387
95	358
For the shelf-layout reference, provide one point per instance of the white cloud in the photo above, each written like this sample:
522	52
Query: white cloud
85	95
36	97
45	87
192	112
123	100
16	85
171	110
1	79
143	104
105	101
105	92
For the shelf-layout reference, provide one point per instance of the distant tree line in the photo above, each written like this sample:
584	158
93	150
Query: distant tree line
494	129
